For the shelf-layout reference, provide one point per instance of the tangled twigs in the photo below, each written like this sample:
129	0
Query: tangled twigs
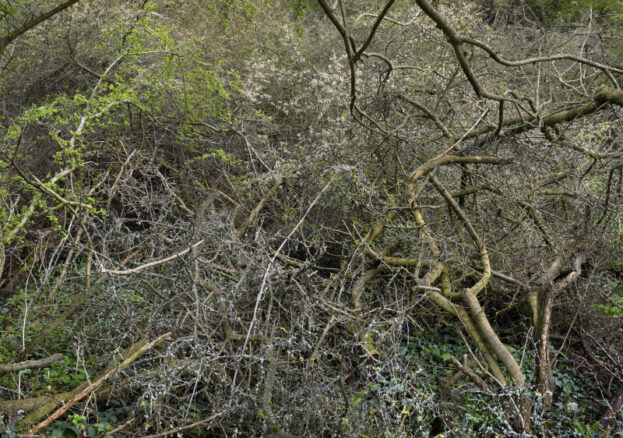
73	306
269	269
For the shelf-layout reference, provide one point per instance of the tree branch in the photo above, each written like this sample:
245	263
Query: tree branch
40	363
32	23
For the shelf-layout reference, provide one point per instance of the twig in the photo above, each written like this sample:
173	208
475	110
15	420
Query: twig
254	213
150	264
188	426
321	339
179	200
121	427
472	375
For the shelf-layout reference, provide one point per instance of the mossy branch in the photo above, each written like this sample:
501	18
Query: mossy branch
133	353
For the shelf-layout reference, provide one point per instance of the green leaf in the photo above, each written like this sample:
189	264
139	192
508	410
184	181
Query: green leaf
355	401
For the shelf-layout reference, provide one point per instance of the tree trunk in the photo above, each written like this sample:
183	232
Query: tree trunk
545	378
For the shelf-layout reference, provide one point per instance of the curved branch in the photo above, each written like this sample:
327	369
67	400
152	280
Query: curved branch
444	160
457	42
563	56
391	20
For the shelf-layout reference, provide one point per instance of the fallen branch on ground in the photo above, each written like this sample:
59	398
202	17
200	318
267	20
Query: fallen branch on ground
40	363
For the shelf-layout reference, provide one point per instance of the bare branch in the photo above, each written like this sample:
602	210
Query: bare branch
39	363
150	264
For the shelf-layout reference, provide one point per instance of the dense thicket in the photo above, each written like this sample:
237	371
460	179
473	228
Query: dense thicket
236	218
